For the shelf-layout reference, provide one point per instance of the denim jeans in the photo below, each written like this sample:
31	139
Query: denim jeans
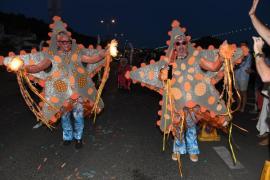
189	142
68	131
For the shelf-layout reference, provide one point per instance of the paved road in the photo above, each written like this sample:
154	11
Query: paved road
124	143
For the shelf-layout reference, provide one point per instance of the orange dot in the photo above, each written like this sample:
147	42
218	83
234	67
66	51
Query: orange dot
80	70
56	74
72	80
141	74
166	116
190	77
219	107
173	81
200	89
191	60
74	96
90	91
151	75
176	93
191	70
54	99
32	62
180	79
188	97
74	57
183	66
196	53
211	100
177	73
199	76
187	86
57	59
174	65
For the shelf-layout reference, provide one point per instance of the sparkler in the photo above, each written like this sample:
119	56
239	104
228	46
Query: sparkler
108	57
15	64
113	48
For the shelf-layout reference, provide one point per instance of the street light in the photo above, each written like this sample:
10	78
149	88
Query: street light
108	23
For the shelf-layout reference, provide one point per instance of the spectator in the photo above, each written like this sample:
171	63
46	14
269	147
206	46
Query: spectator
242	78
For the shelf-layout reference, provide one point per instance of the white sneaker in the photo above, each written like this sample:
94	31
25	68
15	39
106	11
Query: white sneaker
38	125
174	156
194	157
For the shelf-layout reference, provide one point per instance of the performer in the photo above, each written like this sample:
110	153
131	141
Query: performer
64	70
122	81
185	77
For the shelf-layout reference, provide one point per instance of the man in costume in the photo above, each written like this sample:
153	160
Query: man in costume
185	77
64	69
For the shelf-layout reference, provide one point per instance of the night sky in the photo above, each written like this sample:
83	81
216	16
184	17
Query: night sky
145	22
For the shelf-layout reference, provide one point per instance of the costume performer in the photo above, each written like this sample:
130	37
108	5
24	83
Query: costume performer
185	77
64	70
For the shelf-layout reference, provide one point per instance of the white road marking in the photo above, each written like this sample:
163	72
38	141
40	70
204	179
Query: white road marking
225	155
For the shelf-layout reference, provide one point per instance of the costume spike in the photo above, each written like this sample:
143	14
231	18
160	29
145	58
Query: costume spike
52	26
10	54
152	61
22	52
175	24
183	30
56	18
143	64
134	68
34	50
211	47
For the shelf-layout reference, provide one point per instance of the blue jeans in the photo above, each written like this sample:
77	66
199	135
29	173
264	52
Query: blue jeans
68	132
189	142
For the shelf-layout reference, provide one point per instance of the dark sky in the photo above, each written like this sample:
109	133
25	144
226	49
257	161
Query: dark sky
145	22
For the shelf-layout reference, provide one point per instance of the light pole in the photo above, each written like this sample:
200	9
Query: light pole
108	24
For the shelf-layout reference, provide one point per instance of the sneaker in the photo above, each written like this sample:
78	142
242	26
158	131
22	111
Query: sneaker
38	125
264	142
174	156
78	144
193	157
264	135
66	142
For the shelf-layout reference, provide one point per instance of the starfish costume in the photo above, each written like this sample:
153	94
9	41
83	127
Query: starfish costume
190	91
67	86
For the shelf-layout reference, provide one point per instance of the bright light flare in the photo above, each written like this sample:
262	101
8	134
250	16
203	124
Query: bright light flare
113	48
15	64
